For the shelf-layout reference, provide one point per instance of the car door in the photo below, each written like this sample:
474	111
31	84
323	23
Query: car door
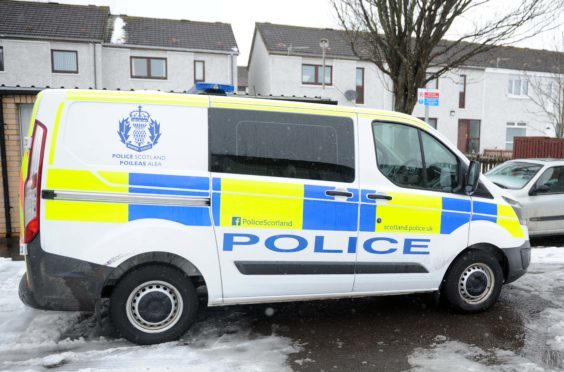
413	218
544	205
285	202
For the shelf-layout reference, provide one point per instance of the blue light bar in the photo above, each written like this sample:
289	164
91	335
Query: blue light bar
212	88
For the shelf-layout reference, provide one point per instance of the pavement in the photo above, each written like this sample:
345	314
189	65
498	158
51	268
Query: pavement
399	333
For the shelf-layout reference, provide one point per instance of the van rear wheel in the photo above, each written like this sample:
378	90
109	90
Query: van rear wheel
473	283
153	304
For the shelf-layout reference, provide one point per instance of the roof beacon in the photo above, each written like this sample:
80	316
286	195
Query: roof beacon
212	88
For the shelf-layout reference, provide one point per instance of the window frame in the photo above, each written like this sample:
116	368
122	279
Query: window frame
436	120
196	61
360	97
458	190
148	63
1	58
523	87
462	93
318	71
514	125
53	70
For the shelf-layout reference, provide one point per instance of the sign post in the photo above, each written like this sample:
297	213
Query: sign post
427	98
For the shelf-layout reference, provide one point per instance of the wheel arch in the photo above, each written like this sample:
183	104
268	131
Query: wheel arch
163	258
488	248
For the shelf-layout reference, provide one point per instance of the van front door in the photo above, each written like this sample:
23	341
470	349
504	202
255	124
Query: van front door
413	218
284	203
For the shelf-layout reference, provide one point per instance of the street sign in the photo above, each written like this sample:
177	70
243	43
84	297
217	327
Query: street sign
428	97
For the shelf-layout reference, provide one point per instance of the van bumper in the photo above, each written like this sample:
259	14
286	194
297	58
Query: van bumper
518	260
54	282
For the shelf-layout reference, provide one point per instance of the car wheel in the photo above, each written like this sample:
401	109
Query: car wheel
153	304
473	283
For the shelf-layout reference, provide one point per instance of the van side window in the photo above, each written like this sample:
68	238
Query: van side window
409	157
282	145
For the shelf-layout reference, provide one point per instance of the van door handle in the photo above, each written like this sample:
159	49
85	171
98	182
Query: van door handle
378	196
339	193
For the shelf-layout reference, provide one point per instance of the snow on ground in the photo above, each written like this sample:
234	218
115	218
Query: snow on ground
32	339
544	279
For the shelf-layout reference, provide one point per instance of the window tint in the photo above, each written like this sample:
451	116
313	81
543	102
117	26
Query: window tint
282	145
441	165
554	179
64	61
313	74
410	157
399	154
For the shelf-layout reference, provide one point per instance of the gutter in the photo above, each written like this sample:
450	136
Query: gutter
151	47
5	185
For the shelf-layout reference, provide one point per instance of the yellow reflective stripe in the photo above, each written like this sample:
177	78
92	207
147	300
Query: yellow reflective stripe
507	218
65	179
261	204
59	210
410	213
389	116
34	114
147	98
278	106
55	132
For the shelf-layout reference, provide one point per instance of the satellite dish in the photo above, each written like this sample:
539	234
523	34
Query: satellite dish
350	95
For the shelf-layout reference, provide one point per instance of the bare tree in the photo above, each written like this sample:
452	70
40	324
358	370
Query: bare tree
547	91
405	38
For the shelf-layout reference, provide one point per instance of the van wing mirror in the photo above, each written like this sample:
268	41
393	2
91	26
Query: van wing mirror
472	177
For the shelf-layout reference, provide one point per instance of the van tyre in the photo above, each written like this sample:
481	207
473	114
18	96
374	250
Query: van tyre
153	304
473	283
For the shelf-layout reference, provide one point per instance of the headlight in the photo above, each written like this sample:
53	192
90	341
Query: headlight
518	208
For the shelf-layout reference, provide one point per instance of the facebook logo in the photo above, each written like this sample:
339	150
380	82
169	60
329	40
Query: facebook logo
236	221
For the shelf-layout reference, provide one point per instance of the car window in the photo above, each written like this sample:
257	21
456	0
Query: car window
410	157
282	145
514	175
553	178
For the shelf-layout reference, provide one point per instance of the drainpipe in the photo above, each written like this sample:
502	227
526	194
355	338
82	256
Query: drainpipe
5	187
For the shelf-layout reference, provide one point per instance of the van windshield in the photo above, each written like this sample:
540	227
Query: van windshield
513	175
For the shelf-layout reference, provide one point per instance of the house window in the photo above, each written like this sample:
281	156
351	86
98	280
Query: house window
311	74
148	68
518	87
432	84
199	71
462	91
1	59
65	61
359	85
514	130
469	136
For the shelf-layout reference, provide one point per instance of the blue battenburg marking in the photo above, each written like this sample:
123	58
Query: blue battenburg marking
364	198
457	205
317	192
139	190
216	184
485	208
367	217
481	217
190	216
355	193
450	221
216	207
169	181
329	215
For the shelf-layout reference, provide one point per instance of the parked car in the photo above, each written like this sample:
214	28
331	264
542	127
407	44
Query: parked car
538	184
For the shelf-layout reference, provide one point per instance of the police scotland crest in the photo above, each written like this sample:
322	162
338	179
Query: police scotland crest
138	131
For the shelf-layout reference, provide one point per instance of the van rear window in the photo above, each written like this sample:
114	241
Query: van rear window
282	145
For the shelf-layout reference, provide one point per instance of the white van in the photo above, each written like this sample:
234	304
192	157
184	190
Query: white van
143	197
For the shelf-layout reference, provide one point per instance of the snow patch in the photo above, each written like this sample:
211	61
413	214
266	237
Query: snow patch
119	36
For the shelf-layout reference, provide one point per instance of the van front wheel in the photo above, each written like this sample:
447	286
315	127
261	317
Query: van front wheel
473	283
153	304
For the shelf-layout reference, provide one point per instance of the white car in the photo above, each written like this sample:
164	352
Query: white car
538	184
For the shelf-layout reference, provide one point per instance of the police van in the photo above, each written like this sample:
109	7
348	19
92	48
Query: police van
142	198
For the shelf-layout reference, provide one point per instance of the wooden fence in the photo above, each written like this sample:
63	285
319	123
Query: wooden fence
489	161
538	147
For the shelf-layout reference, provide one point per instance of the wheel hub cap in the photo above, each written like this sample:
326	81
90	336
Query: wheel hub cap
476	283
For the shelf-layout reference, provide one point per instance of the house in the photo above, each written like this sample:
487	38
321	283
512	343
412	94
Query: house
50	45
483	105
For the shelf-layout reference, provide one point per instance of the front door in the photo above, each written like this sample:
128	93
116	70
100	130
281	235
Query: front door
469	136
545	209
413	216
284	202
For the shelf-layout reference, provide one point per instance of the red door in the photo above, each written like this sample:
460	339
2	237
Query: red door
463	125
